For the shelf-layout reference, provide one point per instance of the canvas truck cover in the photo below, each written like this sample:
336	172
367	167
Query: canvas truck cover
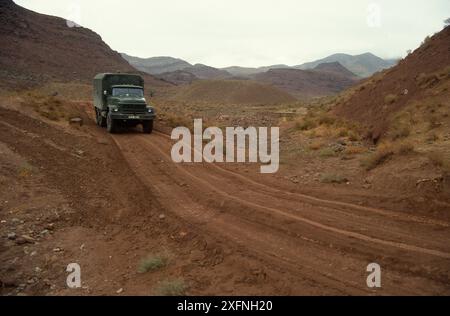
105	81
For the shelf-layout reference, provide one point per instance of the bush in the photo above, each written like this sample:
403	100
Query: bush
354	150
440	160
152	263
404	148
353	136
382	154
333	178
316	145
305	124
400	131
327	152
175	287
390	99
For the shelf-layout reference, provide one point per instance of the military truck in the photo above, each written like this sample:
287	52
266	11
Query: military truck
119	101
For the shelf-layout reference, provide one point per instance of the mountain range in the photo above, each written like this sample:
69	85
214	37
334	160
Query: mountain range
363	66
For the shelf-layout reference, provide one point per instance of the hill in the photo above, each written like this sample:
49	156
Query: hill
248	71
335	68
232	92
420	82
363	65
38	48
306	83
156	65
206	72
178	77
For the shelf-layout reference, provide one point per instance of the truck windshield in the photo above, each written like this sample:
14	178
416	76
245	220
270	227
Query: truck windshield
128	92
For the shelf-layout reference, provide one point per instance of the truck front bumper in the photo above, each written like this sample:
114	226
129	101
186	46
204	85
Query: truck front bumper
133	117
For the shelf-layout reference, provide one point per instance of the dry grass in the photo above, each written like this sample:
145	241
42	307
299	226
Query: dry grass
316	144
386	151
49	106
399	130
390	99
439	159
175	287
327	153
355	150
333	178
383	153
152	263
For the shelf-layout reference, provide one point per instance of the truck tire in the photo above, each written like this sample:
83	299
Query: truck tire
99	119
147	127
111	125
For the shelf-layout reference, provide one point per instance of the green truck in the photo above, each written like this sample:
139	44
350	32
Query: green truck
119	101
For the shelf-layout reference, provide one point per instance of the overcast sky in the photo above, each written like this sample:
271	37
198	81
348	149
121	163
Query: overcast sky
254	32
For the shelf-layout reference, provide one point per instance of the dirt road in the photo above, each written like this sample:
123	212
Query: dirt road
320	243
229	230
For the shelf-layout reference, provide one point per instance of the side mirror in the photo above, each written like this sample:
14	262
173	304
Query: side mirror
105	92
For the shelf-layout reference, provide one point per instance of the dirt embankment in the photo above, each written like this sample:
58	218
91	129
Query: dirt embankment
375	102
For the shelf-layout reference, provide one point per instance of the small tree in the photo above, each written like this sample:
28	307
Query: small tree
447	22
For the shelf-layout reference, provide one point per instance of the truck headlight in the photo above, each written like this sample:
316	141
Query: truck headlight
150	110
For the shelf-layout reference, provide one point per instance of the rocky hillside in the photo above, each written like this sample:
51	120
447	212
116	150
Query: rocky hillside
38	48
421	79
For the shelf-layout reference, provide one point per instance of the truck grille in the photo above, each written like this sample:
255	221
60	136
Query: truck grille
133	109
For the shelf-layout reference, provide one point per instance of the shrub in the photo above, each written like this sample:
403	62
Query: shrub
175	287
353	136
325	119
400	131
327	152
383	153
439	160
390	99
316	145
354	150
305	124
152	263
404	148
333	178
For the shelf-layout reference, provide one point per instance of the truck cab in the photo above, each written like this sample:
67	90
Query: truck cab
119	100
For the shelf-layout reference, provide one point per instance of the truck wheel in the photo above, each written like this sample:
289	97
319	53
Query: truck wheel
147	127
100	120
111	125
97	116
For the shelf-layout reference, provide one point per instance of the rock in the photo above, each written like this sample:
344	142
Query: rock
12	236
119	291
44	232
162	216
57	249
50	226
28	239
20	241
76	121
